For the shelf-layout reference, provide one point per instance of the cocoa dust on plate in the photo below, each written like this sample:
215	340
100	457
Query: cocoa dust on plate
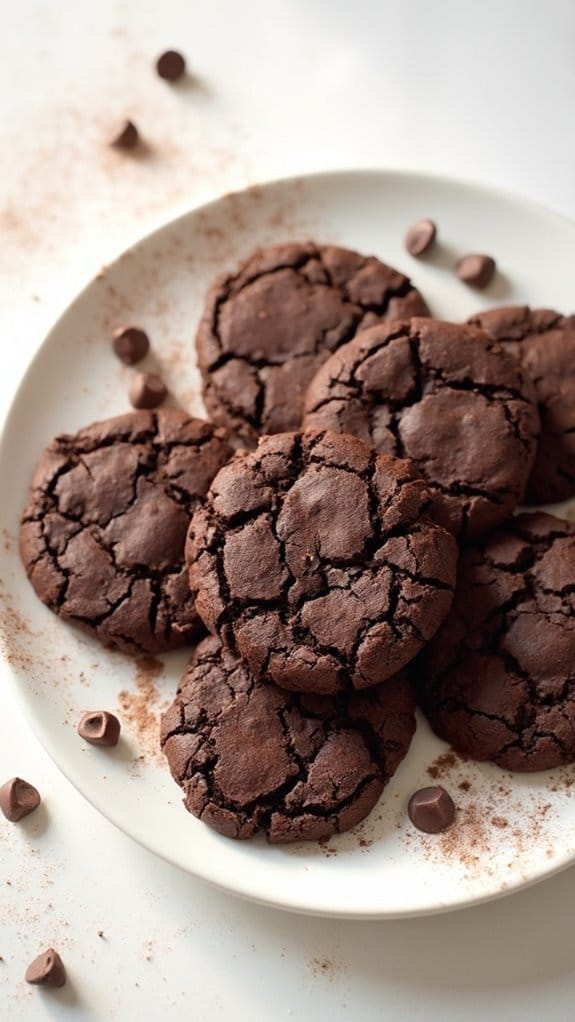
141	707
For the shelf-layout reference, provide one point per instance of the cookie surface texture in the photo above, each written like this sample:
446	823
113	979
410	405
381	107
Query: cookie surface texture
497	681
251	756
446	397
315	561
544	342
103	532
266	328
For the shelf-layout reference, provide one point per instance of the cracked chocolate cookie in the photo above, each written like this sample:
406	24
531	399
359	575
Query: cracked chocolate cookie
446	397
313	558
498	679
268	327
254	757
103	533
544	343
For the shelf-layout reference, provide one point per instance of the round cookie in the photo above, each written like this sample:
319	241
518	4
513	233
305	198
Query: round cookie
267	328
446	397
544	343
103	532
498	679
314	559
254	757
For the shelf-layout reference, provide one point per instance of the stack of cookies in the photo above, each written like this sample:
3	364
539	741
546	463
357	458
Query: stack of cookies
343	528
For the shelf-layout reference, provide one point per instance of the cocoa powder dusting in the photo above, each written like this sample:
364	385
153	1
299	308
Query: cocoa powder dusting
141	708
323	967
499	821
443	765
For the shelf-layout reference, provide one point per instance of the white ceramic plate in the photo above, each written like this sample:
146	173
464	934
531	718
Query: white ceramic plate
510	830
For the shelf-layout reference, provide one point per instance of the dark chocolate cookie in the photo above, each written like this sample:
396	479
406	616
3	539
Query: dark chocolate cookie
268	327
315	561
498	679
255	757
446	397
103	532
544	343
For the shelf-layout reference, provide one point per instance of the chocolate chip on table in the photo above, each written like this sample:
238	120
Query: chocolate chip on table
476	270
128	136
171	66
99	727
147	390
46	970
18	799
431	809
420	237
130	344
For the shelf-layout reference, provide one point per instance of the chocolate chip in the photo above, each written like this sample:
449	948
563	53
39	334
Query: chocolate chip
431	809
476	270
128	136
46	970
18	799
99	727
130	344
147	390
171	65
420	237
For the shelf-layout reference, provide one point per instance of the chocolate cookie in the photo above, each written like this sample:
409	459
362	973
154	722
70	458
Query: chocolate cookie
268	327
254	757
498	679
103	532
544	343
315	561
446	397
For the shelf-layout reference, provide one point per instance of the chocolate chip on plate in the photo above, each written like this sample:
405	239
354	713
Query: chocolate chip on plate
46	970
99	727
147	390
171	65
130	344
127	137
420	237
431	809
18	799
476	270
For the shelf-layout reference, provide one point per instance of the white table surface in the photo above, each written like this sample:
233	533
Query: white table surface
483	91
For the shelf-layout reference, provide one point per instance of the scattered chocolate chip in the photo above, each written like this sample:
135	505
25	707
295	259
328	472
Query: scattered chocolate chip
420	237
18	799
171	66
147	390
128	136
476	270
431	809
130	344
99	727
46	970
